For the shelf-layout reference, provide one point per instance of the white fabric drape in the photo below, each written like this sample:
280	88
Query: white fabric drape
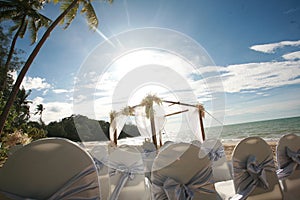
194	123
117	123
143	123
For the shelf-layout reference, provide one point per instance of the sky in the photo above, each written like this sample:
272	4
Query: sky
240	59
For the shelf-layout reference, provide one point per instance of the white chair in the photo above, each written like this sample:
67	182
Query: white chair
288	157
51	168
126	174
221	169
254	173
101	157
216	153
182	171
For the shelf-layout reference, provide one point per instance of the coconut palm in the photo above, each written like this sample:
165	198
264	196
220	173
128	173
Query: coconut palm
22	107
39	111
25	15
70	9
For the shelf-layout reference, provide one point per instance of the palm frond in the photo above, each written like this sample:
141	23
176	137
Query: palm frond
90	14
23	29
70	16
45	21
13	28
7	14
33	32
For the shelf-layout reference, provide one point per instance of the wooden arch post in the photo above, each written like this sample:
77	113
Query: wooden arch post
153	127
201	124
115	137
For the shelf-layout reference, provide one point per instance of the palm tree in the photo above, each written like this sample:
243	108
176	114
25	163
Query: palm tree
39	110
70	9
25	15
22	107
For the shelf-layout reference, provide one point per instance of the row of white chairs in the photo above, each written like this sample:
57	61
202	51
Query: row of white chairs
55	168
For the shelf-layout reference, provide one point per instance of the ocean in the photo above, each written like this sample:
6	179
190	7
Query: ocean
269	129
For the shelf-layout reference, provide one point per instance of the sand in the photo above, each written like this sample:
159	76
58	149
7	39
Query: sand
230	145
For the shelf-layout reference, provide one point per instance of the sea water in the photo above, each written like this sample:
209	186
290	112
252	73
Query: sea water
269	129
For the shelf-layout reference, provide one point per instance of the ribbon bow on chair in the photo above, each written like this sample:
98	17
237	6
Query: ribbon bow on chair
128	173
216	154
178	191
73	188
251	174
290	165
295	156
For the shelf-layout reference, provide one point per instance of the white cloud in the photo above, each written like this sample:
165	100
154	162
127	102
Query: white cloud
292	56
115	84
60	91
35	83
14	75
253	76
57	110
54	111
270	48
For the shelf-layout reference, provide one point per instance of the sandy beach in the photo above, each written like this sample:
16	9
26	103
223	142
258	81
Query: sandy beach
230	145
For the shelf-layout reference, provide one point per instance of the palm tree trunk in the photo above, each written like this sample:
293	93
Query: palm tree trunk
26	66
10	54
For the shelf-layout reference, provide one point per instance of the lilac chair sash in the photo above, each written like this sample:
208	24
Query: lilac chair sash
174	190
289	164
86	180
127	173
250	174
215	154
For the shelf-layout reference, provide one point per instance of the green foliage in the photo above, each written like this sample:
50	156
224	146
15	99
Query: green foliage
25	15
67	128
35	130
14	65
89	129
3	154
19	114
8	141
84	7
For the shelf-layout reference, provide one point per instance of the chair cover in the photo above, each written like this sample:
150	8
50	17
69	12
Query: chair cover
288	157
52	169
100	154
254	170
182	171
148	151
216	154
126	173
